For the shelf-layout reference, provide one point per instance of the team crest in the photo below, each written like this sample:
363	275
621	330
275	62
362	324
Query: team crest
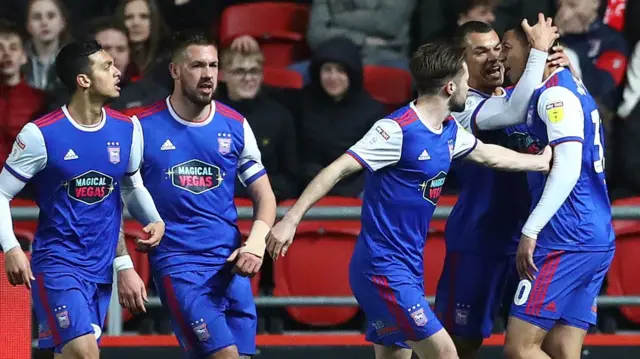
419	317
224	143
462	316
201	330
63	319
113	148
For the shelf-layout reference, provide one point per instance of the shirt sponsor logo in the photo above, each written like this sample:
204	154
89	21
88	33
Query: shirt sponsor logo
90	187
196	176
432	188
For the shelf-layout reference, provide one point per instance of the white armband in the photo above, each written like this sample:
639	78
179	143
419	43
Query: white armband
122	263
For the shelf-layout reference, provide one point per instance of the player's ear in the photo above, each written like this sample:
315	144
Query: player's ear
450	88
174	70
83	81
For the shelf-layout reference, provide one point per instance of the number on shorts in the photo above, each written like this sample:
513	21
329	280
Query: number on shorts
598	164
522	293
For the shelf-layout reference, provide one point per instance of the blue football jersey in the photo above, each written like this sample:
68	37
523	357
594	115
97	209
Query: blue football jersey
189	169
76	172
407	164
583	222
492	205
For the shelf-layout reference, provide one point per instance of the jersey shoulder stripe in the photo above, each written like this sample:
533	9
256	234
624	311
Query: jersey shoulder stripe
406	118
117	115
50	118
152	109
227	111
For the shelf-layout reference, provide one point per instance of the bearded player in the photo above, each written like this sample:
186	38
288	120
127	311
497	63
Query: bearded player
194	147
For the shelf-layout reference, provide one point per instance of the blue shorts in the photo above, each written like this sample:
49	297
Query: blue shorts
210	310
564	290
395	307
470	292
68	307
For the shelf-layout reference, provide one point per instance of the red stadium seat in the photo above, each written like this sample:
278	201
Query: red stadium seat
622	277
317	265
282	78
15	318
280	28
388	85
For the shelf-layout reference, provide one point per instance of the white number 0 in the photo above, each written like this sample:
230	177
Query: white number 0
598	164
522	293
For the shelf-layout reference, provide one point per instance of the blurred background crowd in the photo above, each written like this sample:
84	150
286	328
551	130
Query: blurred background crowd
311	77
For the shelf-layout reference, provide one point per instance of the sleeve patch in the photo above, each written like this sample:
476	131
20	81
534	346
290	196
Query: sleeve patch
555	111
383	133
20	144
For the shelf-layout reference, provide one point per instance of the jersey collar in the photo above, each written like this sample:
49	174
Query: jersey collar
80	127
176	117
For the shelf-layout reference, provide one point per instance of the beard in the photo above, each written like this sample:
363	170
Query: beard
198	99
457	102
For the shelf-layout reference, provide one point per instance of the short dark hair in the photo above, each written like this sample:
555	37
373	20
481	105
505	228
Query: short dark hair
73	60
10	28
471	27
103	23
435	64
186	38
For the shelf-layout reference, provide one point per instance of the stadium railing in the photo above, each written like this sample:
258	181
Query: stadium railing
322	213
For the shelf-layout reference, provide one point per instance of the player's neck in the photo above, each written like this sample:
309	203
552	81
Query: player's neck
85	111
432	110
549	69
187	110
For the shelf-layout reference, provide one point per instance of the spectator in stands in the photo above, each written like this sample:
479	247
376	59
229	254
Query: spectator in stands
18	101
47	26
112	35
271	122
147	31
602	51
440	19
381	30
333	111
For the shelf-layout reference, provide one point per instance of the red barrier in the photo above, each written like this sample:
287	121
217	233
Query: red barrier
15	318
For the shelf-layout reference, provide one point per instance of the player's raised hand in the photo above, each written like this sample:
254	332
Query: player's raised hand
280	238
542	35
131	291
18	268
524	258
155	231
247	264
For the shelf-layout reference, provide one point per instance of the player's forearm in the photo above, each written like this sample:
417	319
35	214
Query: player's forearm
567	162
319	187
264	201
121	249
141	206
500	112
9	187
504	159
8	239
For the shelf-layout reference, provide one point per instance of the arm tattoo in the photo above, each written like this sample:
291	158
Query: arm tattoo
121	249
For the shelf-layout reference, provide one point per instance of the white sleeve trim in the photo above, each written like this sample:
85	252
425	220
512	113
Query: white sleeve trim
137	147
28	155
465	142
250	166
562	114
380	147
9	187
499	111
565	171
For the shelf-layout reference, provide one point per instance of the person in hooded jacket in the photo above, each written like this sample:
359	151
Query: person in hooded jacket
332	112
